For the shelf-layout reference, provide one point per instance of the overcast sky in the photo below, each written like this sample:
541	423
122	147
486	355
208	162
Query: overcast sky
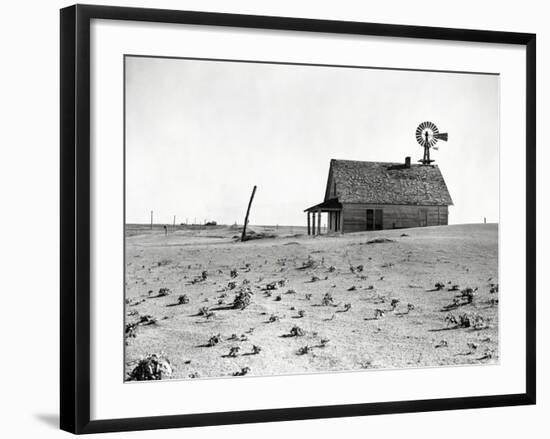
201	134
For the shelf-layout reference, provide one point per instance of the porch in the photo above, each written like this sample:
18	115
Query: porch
335	217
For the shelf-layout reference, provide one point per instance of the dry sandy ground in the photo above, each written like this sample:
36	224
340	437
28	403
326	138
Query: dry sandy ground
406	268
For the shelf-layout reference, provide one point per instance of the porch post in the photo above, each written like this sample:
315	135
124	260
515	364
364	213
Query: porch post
319	222
313	223
308	225
342	220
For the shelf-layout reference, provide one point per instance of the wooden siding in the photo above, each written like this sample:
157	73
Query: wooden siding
394	216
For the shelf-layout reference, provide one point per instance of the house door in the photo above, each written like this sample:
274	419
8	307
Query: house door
423	217
378	219
375	219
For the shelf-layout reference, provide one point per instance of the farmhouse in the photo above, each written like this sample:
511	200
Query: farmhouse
374	196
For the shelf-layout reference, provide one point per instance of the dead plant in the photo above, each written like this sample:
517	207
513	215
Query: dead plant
163	292
233	351
214	340
242	299
241	372
183	299
153	367
327	300
296	331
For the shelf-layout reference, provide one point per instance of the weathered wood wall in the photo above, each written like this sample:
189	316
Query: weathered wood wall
395	216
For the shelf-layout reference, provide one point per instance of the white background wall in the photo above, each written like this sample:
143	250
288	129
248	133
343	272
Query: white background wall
29	209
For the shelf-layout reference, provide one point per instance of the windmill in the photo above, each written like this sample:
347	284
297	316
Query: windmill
427	135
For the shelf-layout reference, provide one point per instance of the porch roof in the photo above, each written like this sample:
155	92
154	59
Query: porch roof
326	206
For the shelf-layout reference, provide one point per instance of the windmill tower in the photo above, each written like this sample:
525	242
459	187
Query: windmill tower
427	135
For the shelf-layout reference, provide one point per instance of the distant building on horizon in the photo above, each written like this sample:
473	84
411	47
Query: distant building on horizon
362	196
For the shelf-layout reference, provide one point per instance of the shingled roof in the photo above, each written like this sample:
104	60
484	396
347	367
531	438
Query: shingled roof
387	183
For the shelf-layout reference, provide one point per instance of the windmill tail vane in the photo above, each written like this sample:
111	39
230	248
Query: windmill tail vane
427	135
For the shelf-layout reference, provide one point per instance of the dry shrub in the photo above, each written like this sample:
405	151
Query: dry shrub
367	364
468	294
466	320
204	311
147	320
327	300
183	299
310	263
304	350
131	330
241	372
164	292
214	340
242	299
450	319
379	241
489	353
153	367
296	331
233	351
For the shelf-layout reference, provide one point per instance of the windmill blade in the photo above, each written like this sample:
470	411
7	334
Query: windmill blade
442	136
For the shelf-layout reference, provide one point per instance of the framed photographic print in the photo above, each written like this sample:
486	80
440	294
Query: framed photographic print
274	218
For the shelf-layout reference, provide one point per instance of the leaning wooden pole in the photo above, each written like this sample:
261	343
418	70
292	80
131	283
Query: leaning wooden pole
243	236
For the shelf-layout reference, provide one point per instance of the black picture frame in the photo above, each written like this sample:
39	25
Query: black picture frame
75	217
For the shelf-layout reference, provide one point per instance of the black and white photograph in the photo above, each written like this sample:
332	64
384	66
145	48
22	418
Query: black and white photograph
274	219
285	219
